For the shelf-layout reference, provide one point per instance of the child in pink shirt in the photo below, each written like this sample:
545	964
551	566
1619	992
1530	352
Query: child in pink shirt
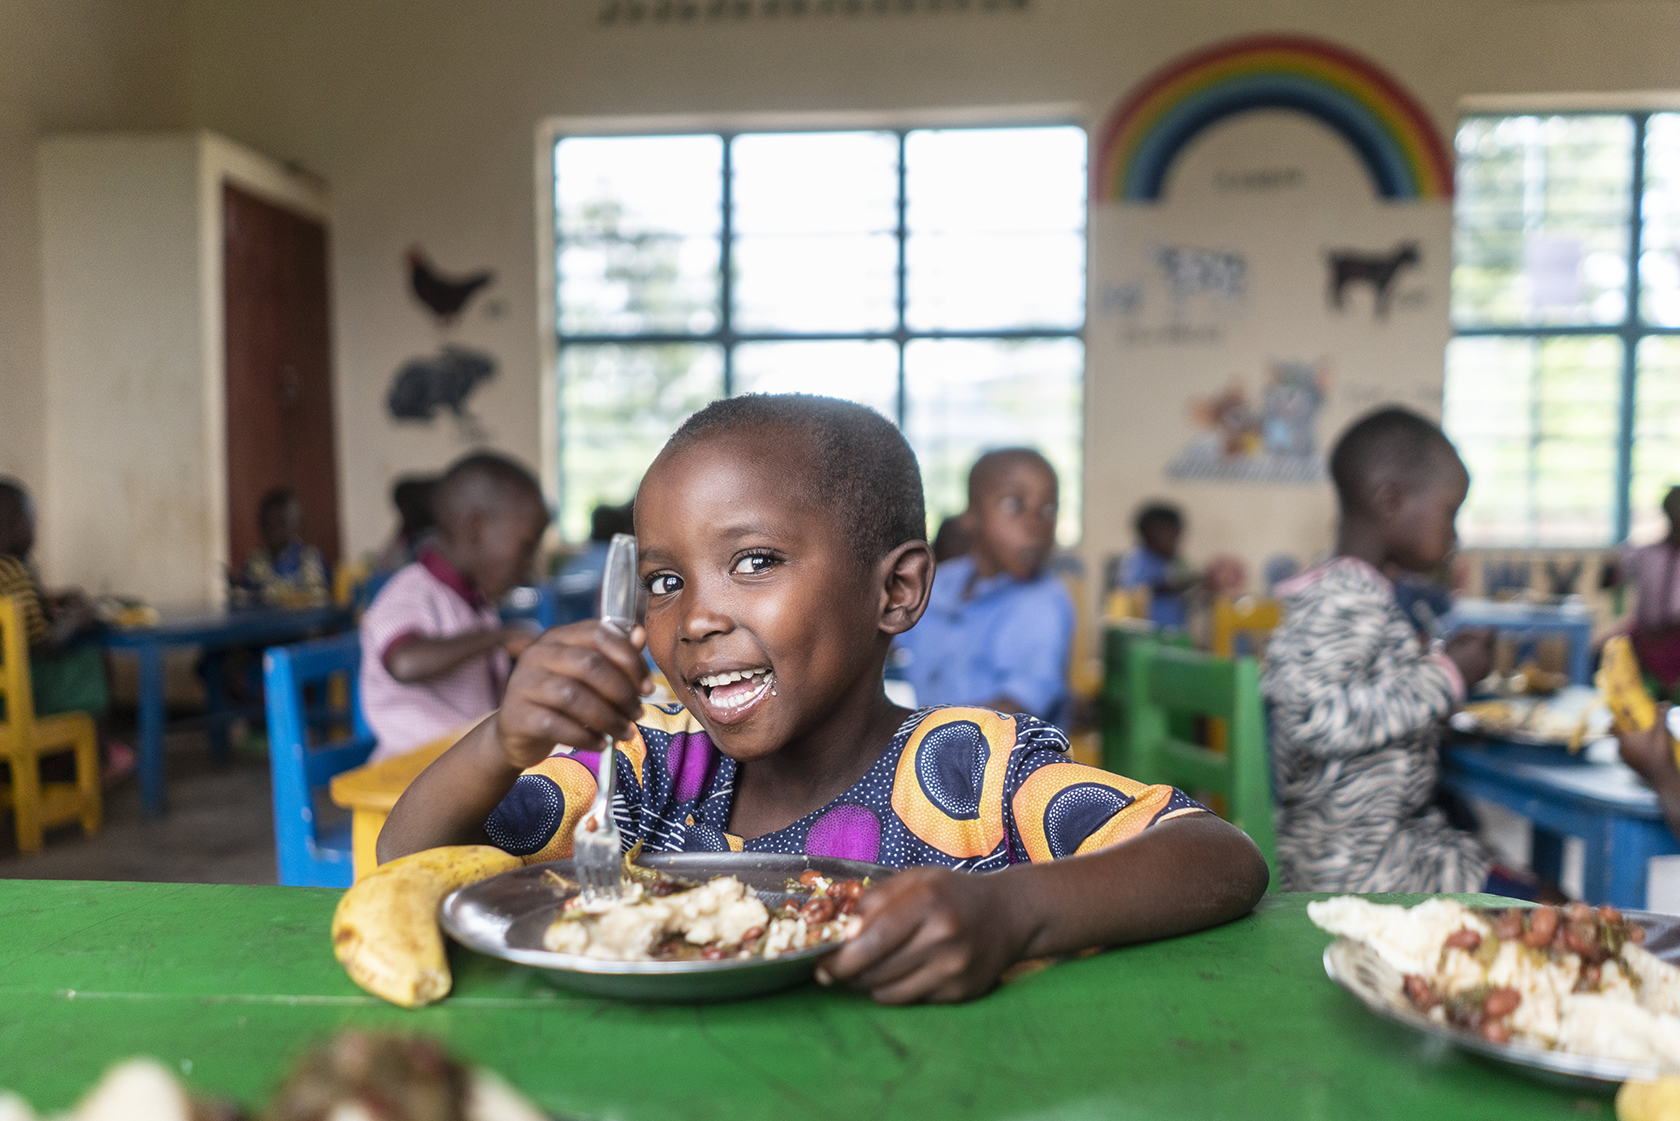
435	655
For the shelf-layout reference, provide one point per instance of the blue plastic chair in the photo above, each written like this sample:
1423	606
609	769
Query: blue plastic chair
303	757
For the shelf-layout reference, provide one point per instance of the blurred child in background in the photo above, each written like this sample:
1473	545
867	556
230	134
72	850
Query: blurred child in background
1654	572
285	571
435	655
1154	563
412	496
998	625
1357	696
66	672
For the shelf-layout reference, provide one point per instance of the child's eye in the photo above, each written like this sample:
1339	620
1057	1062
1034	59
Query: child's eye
1011	505
663	584
753	563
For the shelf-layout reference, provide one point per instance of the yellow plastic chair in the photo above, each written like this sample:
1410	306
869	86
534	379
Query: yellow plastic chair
1254	616
25	738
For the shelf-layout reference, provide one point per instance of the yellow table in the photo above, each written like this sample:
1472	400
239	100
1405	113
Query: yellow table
372	789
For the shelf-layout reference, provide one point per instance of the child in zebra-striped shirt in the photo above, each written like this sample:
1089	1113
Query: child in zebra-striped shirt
1357	696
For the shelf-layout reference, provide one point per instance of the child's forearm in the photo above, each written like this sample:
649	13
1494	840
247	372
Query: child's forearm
420	658
450	801
1182	875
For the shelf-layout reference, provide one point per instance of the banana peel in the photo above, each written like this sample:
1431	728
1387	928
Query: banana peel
385	930
1623	687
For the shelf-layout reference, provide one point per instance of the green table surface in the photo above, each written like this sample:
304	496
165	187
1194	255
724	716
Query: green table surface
227	984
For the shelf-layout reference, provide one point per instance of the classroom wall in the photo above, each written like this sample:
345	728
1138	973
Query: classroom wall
66	65
421	114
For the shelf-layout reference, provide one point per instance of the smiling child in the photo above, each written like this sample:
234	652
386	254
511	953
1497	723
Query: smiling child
998	627
782	548
1357	695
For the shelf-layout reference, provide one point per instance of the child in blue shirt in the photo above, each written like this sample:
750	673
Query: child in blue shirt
782	543
998	625
1154	563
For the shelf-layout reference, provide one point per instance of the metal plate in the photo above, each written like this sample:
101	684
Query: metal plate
506	915
1360	970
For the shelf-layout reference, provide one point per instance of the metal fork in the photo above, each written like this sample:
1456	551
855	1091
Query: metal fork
597	848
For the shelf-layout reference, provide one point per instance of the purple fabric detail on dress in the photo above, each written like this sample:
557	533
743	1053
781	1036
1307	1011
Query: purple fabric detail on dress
847	831
590	761
688	759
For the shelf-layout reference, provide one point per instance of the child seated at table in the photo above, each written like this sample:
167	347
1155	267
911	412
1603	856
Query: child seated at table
1154	563
66	664
1357	696
998	624
284	571
782	548
435	655
1654	572
412	497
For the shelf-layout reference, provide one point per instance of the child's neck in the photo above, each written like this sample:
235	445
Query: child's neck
812	770
1361	538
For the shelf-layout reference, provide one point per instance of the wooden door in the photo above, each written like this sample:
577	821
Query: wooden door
279	370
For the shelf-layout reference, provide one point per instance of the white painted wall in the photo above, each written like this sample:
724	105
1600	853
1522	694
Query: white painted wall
135	434
66	64
422	114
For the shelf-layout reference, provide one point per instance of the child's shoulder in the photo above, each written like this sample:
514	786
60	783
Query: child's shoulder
964	727
1343	580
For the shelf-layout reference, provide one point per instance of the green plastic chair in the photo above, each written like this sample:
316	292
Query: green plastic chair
1152	690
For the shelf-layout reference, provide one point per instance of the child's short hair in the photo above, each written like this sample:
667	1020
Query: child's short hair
1393	443
988	465
480	480
862	468
15	503
412	496
1157	513
274	499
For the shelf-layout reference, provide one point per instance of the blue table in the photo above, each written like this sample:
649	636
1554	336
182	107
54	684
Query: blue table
1615	814
217	631
1525	622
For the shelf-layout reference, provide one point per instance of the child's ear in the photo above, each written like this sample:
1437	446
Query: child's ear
1387	497
905	579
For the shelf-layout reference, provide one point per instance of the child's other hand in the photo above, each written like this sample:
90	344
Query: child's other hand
517	640
1471	650
1650	752
573	686
927	934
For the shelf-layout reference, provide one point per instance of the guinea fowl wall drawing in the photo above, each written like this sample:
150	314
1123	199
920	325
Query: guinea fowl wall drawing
427	384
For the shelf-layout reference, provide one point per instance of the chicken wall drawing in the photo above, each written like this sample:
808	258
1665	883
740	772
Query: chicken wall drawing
427	384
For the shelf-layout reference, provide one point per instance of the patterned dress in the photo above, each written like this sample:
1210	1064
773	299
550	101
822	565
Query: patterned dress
966	788
1356	707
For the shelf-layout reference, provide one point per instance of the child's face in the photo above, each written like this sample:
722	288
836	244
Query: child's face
1015	519
1420	530
746	575
502	545
1161	537
282	524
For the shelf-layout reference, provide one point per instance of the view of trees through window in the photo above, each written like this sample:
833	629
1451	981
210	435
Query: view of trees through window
1563	379
935	275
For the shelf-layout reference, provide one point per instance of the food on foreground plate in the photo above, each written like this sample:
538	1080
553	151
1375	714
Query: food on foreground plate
385	929
356	1077
662	918
1570	979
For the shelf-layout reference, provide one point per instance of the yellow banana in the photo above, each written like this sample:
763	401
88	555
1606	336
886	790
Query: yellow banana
1649	1101
385	931
1623	687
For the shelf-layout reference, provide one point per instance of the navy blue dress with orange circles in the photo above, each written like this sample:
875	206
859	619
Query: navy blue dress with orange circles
966	788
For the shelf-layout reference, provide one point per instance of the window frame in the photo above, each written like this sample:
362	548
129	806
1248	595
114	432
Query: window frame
553	341
1630	331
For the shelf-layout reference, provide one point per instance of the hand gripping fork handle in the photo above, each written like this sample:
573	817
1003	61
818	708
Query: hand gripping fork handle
597	849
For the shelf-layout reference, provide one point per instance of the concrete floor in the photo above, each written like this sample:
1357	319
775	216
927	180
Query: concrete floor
219	828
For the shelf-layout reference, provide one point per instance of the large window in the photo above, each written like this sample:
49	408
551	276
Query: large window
1563	380
936	275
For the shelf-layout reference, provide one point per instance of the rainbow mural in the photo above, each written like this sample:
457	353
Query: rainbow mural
1384	124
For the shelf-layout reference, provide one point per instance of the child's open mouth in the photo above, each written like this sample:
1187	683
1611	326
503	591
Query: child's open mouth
729	695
